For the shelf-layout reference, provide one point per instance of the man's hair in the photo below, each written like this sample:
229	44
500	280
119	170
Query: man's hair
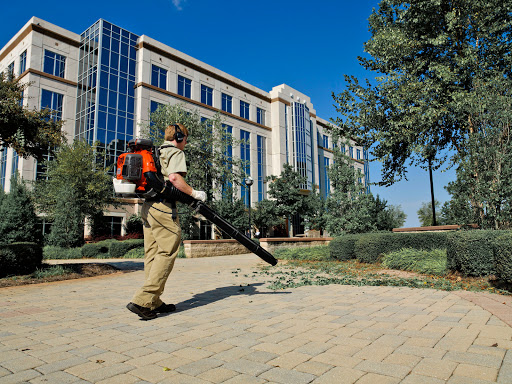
170	131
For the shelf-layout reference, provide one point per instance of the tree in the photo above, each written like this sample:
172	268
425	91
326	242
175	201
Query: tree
75	189
425	214
18	220
386	217
29	133
234	211
396	216
265	216
436	61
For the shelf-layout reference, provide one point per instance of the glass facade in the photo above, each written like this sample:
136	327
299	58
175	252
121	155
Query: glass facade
227	103
184	86
10	70
262	162
23	62
54	64
227	186
302	138
325	141
106	88
244	109
351	152
206	95
245	156
14	164
159	77
327	187
52	101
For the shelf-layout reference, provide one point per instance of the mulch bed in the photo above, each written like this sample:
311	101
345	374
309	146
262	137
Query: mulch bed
76	271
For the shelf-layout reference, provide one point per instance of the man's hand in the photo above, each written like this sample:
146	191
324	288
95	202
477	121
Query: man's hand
198	195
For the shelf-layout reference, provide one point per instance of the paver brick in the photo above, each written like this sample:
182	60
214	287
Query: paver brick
381	368
218	375
339	375
476	372
197	367
373	378
440	369
286	376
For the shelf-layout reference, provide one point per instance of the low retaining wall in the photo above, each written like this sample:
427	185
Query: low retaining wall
272	243
437	228
207	248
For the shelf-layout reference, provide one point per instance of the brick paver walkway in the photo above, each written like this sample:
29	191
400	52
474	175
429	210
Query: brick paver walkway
226	331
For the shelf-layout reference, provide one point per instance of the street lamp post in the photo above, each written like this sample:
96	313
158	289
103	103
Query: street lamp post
248	182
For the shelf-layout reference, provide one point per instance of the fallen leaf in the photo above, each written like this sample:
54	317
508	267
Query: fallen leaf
100	361
494	345
167	369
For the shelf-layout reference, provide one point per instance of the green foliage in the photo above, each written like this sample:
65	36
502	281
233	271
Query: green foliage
118	249
135	253
234	211
432	60
286	189
18	220
502	247
343	247
209	164
471	252
370	247
97	250
319	253
265	216
426	216
432	262
51	252
75	189
20	258
55	270
134	224
28	132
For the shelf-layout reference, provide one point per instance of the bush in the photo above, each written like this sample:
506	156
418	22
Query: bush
119	248
20	258
320	253
96	250
51	252
502	247
471	252
431	262
343	247
370	247
135	253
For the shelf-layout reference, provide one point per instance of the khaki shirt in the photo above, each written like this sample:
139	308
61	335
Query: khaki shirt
172	160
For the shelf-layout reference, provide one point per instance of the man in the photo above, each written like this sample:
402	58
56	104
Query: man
162	232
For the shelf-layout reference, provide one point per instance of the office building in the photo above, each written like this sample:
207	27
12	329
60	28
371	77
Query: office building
105	82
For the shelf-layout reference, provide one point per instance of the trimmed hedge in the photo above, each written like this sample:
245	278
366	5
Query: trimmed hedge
502	248
20	258
51	252
472	252
370	247
319	253
343	247
119	248
97	250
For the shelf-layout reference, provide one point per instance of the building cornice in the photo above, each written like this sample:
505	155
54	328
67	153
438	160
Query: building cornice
195	67
199	104
48	76
278	99
43	31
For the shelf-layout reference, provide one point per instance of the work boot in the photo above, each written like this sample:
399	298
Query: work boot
165	308
143	312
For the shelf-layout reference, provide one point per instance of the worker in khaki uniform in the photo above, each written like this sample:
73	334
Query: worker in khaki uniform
162	232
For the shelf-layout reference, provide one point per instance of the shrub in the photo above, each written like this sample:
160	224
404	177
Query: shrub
343	247
96	250
320	253
134	253
51	252
471	252
431	262
119	248
370	247
502	247
20	258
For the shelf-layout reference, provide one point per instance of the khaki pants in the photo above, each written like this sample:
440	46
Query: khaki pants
162	236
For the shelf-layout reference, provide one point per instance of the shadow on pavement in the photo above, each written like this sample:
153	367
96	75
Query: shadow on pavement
221	293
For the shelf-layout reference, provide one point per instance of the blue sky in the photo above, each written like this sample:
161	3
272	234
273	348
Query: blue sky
307	45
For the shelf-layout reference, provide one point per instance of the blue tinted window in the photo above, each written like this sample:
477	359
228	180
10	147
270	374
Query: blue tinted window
23	62
245	156
325	142
351	152
206	95
52	101
261	150
184	86
260	116
158	77
244	109
14	168
227	103
54	64
326	177
358	154
3	166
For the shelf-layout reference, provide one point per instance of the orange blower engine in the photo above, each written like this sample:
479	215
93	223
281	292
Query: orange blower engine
131	167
